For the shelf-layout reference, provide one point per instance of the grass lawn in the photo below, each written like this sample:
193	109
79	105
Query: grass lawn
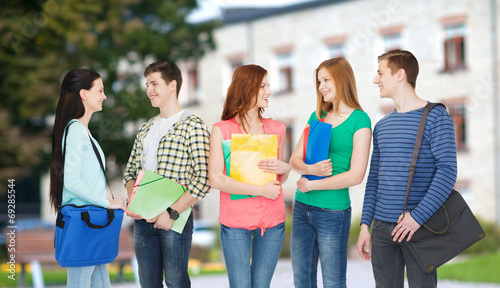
57	276
479	269
54	276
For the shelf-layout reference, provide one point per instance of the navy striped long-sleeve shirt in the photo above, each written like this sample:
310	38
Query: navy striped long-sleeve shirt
435	173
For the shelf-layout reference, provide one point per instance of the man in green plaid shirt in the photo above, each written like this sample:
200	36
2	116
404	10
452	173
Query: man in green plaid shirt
175	145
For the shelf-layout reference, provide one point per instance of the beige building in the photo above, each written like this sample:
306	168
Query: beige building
453	40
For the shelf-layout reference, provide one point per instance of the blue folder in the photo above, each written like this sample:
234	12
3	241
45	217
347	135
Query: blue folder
317	144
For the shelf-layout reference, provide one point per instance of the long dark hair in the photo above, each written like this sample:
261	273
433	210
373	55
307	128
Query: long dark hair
70	106
243	91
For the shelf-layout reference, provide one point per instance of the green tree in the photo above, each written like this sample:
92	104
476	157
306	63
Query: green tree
42	40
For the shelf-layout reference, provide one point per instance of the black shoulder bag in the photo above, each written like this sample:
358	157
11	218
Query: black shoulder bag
450	230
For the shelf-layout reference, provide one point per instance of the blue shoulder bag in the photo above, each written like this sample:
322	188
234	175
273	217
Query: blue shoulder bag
86	235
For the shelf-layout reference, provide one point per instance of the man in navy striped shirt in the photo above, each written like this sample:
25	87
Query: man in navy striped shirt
435	174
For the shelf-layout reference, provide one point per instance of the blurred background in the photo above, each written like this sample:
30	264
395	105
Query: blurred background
455	41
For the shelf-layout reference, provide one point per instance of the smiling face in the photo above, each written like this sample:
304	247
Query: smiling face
93	98
386	80
158	90
264	93
326	85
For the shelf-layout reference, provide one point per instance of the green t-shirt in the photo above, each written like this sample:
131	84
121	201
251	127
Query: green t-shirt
340	153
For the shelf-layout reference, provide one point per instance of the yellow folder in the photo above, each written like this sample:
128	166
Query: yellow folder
246	152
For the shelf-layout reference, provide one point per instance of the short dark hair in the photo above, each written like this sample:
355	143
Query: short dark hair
169	72
402	59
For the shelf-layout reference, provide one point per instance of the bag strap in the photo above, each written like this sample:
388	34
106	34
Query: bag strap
64	157
416	149
59	220
86	217
62	169
98	155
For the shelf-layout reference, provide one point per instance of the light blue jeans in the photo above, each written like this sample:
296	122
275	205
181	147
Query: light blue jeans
319	233
88	276
251	258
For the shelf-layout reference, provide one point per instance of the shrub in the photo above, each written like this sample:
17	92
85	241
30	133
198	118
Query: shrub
490	243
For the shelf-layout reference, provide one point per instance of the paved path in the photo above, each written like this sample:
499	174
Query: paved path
359	275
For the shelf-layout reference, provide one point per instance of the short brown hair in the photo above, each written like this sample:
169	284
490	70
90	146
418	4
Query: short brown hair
168	72
345	85
402	59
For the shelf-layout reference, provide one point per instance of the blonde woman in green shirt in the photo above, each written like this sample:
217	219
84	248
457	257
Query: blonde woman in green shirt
322	209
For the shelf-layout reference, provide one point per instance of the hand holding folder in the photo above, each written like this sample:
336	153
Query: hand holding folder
242	154
316	144
153	194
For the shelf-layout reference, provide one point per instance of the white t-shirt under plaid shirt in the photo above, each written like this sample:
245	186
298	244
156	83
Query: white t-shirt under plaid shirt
182	154
153	138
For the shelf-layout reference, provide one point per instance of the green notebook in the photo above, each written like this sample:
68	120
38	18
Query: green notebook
154	194
226	148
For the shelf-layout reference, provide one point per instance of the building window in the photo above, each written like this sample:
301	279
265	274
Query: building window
235	64
193	86
336	46
287	152
457	111
336	50
454	43
392	37
285	72
392	41
235	61
454	47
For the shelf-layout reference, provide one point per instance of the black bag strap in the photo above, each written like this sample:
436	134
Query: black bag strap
416	149
98	155
96	151
86	218
62	165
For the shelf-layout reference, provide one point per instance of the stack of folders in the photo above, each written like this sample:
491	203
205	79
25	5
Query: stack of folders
316	144
153	194
242	154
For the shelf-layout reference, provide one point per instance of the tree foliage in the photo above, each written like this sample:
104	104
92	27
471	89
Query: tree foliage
42	40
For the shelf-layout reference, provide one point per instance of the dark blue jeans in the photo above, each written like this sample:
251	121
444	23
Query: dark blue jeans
251	258
159	251
319	233
389	259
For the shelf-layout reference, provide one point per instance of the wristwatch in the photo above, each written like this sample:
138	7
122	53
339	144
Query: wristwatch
173	213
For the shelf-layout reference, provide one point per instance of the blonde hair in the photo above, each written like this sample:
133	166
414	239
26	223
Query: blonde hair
345	85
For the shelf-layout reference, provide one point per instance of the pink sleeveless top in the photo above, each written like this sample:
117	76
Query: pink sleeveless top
255	212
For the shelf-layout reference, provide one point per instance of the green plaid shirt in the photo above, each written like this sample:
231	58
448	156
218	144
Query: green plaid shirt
182	154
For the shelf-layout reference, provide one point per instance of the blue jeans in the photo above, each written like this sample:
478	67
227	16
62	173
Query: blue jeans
159	251
240	245
389	259
319	233
88	276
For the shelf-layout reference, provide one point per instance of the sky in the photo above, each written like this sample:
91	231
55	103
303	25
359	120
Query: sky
209	9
